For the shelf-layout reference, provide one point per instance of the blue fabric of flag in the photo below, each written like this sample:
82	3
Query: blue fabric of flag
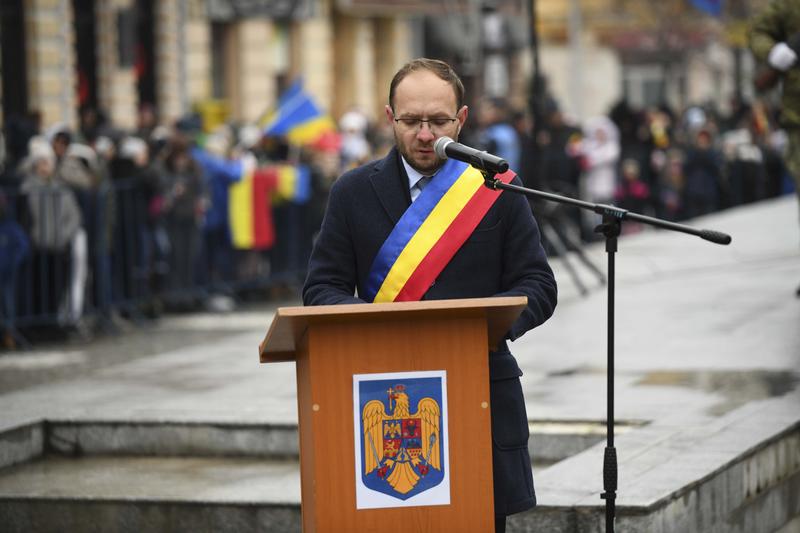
294	108
294	89
303	187
712	7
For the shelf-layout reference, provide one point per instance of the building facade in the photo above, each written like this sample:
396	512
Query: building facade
230	59
227	58
651	52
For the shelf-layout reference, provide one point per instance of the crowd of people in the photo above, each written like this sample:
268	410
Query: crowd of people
658	161
97	223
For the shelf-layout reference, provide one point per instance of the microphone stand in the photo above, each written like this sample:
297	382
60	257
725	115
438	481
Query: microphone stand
610	227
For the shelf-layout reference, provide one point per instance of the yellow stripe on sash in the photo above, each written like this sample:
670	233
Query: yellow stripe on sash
429	233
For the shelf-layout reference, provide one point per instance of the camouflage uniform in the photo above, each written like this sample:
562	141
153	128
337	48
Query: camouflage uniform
775	24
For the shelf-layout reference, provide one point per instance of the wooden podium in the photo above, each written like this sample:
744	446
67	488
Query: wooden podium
332	344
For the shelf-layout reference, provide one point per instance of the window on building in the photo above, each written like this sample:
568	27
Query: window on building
643	85
219	41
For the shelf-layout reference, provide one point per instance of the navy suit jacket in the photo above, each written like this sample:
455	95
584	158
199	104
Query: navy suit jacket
502	257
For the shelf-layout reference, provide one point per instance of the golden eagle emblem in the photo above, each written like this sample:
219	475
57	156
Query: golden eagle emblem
402	447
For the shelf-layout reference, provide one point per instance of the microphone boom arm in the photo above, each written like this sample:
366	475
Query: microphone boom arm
613	211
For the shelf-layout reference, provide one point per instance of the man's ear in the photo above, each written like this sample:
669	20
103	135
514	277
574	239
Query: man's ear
389	114
462	117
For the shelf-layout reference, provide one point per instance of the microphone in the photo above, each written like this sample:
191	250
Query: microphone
445	147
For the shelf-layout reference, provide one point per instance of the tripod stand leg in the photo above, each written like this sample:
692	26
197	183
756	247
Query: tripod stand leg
578	249
552	237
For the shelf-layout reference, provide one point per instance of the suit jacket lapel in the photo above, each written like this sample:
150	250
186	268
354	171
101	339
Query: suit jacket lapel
390	184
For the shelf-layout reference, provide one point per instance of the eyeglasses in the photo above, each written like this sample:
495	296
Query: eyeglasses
415	124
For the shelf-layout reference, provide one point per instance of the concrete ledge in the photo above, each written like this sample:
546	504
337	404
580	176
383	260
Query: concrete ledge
21	444
169	439
43	516
551	441
737	473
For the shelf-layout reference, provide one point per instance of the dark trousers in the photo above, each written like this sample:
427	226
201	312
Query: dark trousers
499	524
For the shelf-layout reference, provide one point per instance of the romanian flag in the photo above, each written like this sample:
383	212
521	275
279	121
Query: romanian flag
430	232
250	200
298	117
293	183
250	209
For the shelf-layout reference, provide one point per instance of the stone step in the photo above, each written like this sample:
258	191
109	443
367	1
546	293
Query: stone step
550	441
737	473
104	493
89	475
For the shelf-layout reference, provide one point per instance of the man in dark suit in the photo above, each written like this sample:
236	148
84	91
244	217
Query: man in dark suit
502	256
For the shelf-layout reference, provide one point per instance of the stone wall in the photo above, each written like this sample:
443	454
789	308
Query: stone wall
52	83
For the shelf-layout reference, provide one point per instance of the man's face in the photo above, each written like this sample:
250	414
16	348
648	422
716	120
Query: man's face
424	96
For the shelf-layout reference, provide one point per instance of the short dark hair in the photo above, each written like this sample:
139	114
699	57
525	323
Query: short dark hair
440	68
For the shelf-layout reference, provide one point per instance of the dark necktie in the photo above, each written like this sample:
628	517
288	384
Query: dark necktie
422	183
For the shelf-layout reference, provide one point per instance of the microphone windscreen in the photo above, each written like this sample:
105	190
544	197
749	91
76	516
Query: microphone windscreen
440	145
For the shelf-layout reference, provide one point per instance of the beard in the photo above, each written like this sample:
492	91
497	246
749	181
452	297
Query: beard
425	163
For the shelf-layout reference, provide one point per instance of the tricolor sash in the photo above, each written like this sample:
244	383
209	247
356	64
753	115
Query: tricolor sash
430	232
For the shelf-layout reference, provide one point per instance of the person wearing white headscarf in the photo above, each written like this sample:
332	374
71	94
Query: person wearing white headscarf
601	153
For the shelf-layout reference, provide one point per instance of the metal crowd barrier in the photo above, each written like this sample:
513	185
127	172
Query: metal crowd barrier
130	260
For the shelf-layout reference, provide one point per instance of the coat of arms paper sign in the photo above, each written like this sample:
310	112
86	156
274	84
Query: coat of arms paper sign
401	439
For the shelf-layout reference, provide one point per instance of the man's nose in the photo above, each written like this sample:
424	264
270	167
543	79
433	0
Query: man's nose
425	133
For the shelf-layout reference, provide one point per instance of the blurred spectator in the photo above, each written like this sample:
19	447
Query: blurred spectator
220	172
14	249
600	150
672	183
55	229
560	157
80	170
527	171
184	206
325	161
702	169
19	129
146	121
559	144
59	137
92	124
140	246
355	148
102	225
632	193
745	166
497	136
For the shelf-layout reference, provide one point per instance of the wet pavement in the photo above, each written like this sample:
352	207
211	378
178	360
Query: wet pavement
706	337
699	327
58	360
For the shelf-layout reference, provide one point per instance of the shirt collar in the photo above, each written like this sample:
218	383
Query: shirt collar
413	175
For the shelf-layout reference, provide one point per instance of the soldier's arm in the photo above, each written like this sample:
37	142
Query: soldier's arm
767	30
767	34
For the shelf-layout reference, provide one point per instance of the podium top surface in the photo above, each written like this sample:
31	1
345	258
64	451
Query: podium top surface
291	323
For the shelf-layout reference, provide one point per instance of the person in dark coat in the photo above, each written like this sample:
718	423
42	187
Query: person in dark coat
703	171
502	257
14	249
